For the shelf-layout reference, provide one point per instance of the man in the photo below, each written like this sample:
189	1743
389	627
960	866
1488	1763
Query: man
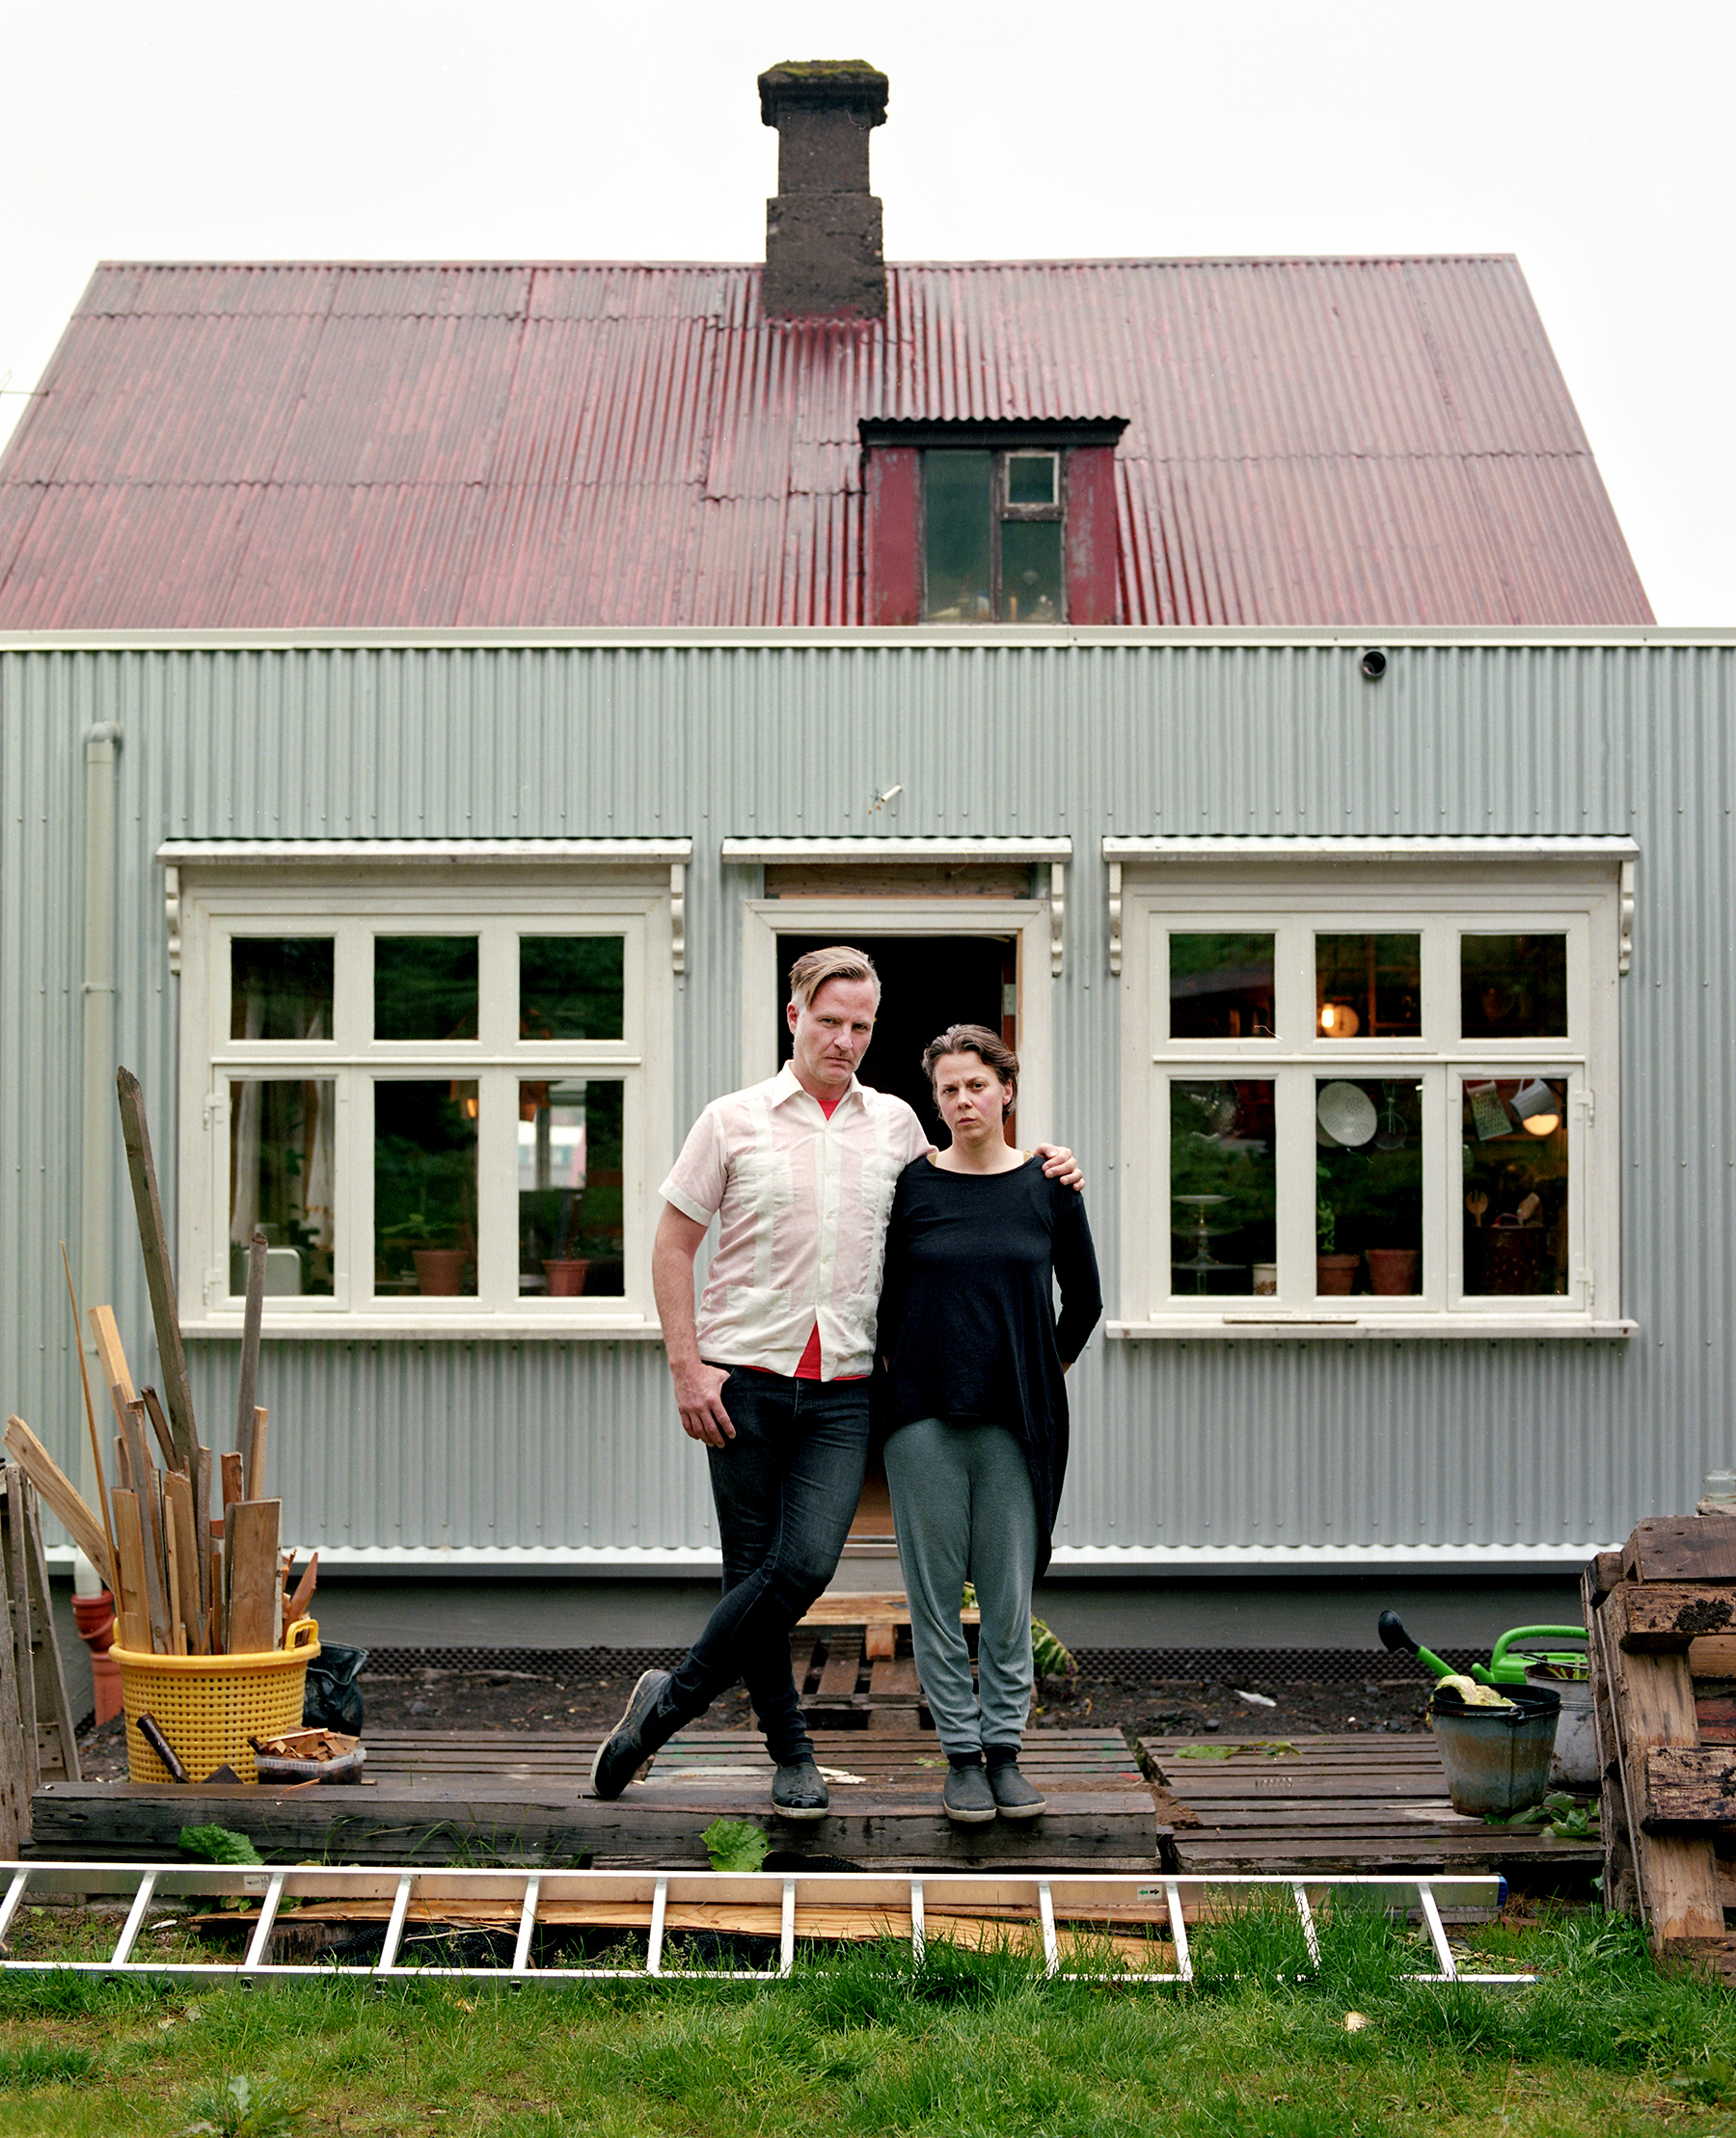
772	1376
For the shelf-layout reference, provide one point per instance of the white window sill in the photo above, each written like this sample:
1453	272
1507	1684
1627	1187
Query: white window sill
444	1327
1341	1328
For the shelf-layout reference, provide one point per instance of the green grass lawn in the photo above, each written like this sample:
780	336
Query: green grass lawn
965	2046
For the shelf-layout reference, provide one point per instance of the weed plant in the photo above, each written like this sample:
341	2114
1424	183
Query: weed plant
958	2045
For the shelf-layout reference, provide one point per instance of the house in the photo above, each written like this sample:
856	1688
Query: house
439	700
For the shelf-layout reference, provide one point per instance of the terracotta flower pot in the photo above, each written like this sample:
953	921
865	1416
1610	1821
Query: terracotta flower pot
440	1270
1335	1273
95	1618
1393	1270
566	1278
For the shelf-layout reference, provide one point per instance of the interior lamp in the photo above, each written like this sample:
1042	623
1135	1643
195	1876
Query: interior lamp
1536	1105
1339	1020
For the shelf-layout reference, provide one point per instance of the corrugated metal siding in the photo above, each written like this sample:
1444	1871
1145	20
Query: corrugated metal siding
1307	441
1202	1445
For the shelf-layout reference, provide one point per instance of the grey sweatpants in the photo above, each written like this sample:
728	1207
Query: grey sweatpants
962	1503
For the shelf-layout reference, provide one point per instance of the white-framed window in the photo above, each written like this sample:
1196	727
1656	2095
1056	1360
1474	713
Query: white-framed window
1370	1088
436	1075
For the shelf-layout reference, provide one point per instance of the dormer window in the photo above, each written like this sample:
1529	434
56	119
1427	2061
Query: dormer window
991	537
992	522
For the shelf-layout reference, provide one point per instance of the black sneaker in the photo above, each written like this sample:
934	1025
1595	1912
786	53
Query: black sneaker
799	1790
1013	1797
966	1798
622	1756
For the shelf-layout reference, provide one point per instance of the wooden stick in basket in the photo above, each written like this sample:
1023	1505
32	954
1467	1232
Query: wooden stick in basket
62	1494
159	1271
130	1544
84	1381
249	1348
112	1358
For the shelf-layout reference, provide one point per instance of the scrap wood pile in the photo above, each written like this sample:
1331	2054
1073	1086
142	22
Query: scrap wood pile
183	1584
1661	1616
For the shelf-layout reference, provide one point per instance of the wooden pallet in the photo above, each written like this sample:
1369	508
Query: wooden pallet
1661	1615
854	1665
1355	1802
438	1797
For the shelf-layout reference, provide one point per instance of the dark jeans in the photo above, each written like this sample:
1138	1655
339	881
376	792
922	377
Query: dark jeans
786	1489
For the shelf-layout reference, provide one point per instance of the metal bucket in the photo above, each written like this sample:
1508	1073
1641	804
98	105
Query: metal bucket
1574	1766
1496	1759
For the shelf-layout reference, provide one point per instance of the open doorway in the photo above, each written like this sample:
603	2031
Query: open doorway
926	983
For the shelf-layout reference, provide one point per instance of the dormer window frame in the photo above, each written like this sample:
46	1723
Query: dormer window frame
897	481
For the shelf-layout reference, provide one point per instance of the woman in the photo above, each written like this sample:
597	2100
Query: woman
974	1410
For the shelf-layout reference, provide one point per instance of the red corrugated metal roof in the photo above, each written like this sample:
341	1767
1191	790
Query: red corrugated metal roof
1306	442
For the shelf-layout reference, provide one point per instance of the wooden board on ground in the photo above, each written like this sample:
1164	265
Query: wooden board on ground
526	1799
1357	1803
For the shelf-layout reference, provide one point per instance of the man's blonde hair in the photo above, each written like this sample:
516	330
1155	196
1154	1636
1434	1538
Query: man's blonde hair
810	973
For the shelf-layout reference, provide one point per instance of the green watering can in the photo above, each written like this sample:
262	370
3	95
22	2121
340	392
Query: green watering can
1507	1664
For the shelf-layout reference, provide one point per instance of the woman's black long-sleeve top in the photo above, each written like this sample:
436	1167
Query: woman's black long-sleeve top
968	1316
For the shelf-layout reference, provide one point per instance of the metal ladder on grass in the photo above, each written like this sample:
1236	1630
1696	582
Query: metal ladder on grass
1061	1906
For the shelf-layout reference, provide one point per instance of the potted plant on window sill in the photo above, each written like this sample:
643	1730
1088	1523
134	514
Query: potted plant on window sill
1334	1273
1393	1270
439	1270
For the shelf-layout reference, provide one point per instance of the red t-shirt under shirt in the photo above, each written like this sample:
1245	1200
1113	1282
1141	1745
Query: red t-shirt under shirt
807	1366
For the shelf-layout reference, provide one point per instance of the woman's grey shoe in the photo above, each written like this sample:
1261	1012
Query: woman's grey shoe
967	1798
798	1790
1013	1797
623	1754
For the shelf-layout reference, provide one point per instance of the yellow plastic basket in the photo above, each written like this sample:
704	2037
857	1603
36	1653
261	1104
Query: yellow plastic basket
208	1706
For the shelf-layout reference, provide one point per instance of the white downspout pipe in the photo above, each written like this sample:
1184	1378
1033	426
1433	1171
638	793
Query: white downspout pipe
97	1129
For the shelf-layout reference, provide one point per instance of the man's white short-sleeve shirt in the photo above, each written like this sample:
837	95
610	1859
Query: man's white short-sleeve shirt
803	1203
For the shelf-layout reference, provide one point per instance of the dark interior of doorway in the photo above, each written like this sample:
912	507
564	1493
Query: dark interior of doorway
926	983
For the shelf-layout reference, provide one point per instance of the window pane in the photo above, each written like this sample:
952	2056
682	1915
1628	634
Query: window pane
1221	986
279	988
958	495
1032	478
1030	571
1513	986
1369	987
280	1181
1369	1185
424	987
1514	1143
570	1189
425	1186
571	986
1223	1188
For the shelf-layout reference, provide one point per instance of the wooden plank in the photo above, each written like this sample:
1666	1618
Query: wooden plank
842	1664
60	1494
1681	1548
18	1627
254	1470
201	1525
159	1426
84	1382
1621	1876
1692	1785
1603	1572
256	1248
1664	1617
16	1787
159	1270
57	1742
150	1519
250	1546
134	1630
178	1506
1712	1656
113	1360
1652	1702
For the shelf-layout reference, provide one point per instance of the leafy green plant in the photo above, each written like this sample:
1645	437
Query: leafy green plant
241	2110
219	1845
1051	1656
735	1845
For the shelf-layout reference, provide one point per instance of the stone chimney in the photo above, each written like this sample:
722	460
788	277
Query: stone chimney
823	231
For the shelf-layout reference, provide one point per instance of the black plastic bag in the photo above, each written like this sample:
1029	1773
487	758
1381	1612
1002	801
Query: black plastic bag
333	1700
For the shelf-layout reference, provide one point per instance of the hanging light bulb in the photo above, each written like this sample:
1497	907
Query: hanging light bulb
1536	1106
1339	1020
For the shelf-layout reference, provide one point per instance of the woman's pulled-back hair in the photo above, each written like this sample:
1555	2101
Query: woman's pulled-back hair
989	1048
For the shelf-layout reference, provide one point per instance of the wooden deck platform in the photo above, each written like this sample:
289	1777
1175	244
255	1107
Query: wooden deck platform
436	1798
1355	1802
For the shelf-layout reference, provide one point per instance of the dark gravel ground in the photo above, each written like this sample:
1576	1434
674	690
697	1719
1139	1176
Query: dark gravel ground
502	1701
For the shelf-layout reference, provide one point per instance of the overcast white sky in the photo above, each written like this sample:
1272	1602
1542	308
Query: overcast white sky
1590	138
